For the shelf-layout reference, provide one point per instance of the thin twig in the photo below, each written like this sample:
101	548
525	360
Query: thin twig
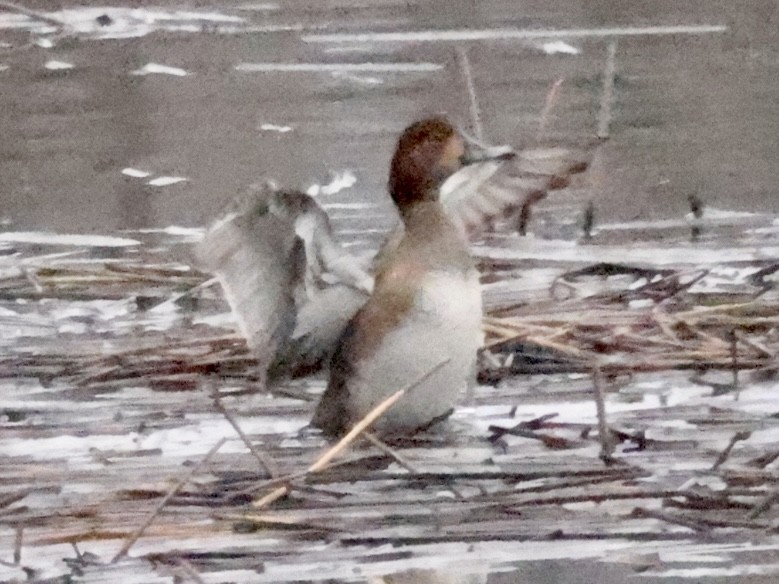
604	433
170	302
79	556
607	97
266	462
190	571
756	345
14	7
549	104
726	453
168	496
18	539
391	452
683	521
733	338
282	480
475	110
764	505
402	461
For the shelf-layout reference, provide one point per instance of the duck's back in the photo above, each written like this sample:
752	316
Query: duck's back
425	309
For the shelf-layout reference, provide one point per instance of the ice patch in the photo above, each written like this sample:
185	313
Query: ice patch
40	237
567	251
275	128
559	47
340	181
357	79
135	173
188	234
118	22
258	7
58	65
698	573
164	181
711	215
157	69
409	67
348	206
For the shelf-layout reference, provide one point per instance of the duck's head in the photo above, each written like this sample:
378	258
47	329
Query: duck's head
428	152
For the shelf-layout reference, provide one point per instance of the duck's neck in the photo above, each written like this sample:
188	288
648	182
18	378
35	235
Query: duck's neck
423	215
432	239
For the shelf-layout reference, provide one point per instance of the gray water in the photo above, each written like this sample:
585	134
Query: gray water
693	114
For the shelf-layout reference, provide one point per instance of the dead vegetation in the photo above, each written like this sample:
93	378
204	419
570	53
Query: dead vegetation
136	433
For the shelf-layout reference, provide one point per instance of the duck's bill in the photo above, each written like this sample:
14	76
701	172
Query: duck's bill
476	153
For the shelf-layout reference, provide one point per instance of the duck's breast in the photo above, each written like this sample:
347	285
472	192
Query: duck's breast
444	324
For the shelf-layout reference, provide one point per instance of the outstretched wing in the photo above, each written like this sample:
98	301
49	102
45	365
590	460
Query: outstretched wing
259	261
276	259
478	194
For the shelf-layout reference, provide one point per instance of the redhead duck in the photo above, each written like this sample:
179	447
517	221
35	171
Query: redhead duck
425	308
294	289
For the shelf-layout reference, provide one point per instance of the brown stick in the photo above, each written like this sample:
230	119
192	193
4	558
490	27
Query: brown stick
168	496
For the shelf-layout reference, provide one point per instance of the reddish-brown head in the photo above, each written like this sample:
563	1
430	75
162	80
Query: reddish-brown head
428	152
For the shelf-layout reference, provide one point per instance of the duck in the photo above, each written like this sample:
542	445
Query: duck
425	308
303	302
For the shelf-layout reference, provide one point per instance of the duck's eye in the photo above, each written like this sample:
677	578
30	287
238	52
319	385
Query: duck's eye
464	159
